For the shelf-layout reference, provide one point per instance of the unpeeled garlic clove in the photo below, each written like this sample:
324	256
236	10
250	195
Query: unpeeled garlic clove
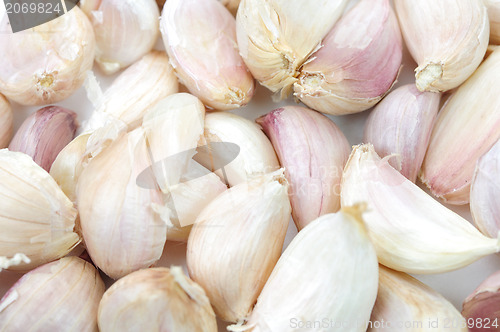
447	39
402	124
276	37
482	304
232	5
313	151
410	230
204	52
156	299
236	241
6	122
466	128
494	16
48	63
357	64
59	295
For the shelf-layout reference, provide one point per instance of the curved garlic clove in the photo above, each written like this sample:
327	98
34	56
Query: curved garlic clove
275	37
236	241
6	122
48	63
402	124
357	64
313	151
483	303
232	5
204	52
157	299
447	39
410	230
124	31
466	128
494	16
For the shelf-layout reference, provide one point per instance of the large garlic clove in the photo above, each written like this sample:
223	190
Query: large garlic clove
236	241
447	39
37	219
232	5
494	16
405	304
48	63
328	272
124	31
157	299
402	124
313	151
410	230
482	305
6	122
466	128
204	52
57	296
357	64
276	37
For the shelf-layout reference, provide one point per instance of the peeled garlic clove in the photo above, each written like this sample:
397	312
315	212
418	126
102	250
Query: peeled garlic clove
157	299
466	128
409	305
6	122
204	52
54	297
47	63
124	31
482	304
447	40
313	151
276	37
357	64
303	288
401	124
410	230
232	5
494	16
236	241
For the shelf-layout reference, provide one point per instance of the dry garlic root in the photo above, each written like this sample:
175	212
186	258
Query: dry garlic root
6	122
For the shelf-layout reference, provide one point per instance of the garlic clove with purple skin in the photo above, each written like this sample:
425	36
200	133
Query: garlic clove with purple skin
6	122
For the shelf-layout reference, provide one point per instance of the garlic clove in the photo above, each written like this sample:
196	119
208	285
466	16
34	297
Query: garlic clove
232	5
48	63
466	128
313	151
6	122
357	64
59	295
204	52
157	299
494	16
447	39
402	124
482	304
410	230
275	37
236	241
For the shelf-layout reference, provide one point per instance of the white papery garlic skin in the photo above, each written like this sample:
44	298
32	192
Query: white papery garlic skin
483	303
447	39
494	16
6	122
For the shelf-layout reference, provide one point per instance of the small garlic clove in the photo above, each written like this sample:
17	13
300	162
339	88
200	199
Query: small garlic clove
494	16
156	299
357	64
410	230
402	124
276	37
466	128
313	151
236	241
56	296
232	5
48	63
6	122
204	52
44	134
482	304
447	39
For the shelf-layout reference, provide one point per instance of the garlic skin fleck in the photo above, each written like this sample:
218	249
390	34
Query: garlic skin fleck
54	297
401	124
236	241
313	151
410	230
6	122
483	302
232	5
125	30
466	128
494	16
48	63
276	37
357	64
204	52
447	39
156	299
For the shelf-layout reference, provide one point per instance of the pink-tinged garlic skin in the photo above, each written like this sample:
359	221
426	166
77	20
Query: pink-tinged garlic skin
6	122
313	151
402	124
44	134
59	296
200	39
494	16
358	63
